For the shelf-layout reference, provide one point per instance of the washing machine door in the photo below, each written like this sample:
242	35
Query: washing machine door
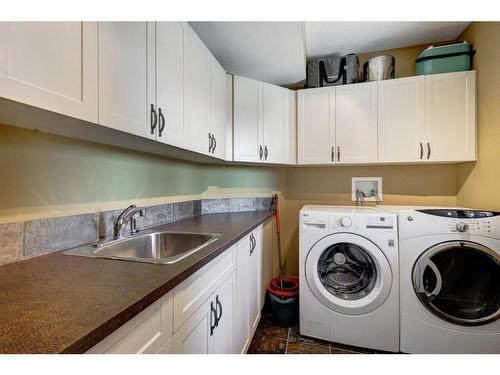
348	273
459	281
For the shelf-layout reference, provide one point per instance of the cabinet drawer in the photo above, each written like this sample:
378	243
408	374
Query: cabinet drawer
145	333
192	292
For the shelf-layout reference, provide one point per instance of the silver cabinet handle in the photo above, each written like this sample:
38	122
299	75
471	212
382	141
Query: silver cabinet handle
213	312
210	143
428	150
218	306
421	150
265	153
161	122
333	153
153	118
253	243
260	152
338	153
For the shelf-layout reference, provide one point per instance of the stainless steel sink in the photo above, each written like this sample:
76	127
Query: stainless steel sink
150	247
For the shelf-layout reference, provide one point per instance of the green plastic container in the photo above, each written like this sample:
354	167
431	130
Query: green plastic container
285	311
446	58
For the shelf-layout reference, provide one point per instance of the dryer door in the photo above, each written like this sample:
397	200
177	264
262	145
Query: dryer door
459	281
348	273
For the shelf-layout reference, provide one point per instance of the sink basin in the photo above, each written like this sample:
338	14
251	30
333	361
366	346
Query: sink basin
149	247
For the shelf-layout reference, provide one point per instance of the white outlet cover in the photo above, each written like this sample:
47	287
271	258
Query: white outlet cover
366	184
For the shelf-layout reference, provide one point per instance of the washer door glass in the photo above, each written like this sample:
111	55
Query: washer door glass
459	282
347	271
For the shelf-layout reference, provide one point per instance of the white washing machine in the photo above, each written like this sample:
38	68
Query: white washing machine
449	281
349	279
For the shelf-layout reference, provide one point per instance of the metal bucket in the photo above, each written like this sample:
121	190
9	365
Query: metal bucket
379	68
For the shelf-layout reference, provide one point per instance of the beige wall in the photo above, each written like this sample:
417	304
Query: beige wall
405	59
479	183
424	185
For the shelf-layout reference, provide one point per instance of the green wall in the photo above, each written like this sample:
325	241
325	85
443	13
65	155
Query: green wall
42	171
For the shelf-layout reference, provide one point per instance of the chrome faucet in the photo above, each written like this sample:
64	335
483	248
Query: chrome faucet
360	198
377	198
129	215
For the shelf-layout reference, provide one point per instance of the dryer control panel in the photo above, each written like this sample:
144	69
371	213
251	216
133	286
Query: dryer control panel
463	223
466	221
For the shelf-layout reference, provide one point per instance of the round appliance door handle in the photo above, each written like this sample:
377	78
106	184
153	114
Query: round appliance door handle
420	277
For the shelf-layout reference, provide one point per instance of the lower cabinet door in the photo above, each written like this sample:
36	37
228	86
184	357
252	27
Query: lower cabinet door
195	335
254	293
167	348
266	256
224	332
242	329
146	333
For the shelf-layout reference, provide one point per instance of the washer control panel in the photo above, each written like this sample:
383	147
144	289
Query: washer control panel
357	222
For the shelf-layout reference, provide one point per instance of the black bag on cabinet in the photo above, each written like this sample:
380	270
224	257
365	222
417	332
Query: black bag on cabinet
332	70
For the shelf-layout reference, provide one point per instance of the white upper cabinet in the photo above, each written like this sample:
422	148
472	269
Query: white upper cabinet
292	128
262	122
450	117
229	117
401	119
247	120
198	93
218	109
416	119
51	65
356	123
316	126
126	82
170	56
274	118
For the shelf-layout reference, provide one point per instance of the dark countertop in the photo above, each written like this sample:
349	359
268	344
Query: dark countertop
60	303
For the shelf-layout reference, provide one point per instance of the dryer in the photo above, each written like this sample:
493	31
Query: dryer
349	279
449	280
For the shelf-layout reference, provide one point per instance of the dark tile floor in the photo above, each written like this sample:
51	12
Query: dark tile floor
270	338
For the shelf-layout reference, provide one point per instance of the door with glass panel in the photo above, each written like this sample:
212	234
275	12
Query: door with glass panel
459	282
348	273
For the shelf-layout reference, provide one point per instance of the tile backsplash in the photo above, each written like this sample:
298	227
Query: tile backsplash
37	237
11	242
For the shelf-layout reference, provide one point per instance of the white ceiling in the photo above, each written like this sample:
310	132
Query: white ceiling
267	51
324	38
275	52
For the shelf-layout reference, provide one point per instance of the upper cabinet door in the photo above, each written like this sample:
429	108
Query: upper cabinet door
51	65
356	123
218	109
291	137
274	116
198	93
401	119
316	126
170	56
247	129
450	117
126	85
